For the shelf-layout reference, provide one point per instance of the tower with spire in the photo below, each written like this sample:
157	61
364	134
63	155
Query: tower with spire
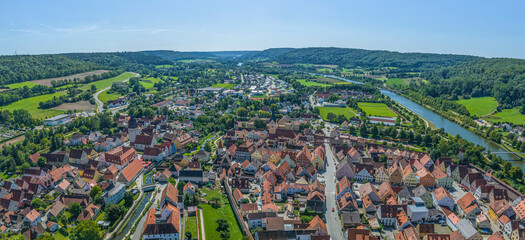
273	124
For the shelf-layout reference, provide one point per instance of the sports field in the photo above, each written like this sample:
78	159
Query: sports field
347	112
224	85
508	115
479	106
31	104
312	84
376	109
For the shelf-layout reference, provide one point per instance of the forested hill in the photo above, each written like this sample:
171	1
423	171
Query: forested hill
502	78
268	54
31	67
349	57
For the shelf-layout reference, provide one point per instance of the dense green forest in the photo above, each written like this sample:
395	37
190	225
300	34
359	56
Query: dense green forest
502	78
350	58
21	68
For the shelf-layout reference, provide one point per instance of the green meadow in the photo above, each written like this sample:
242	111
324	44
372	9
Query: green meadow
347	112
31	104
376	109
508	115
479	106
312	83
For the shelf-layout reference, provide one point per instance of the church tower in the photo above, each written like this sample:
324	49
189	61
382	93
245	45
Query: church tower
133	129
273	124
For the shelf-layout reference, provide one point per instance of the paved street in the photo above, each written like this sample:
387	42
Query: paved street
333	223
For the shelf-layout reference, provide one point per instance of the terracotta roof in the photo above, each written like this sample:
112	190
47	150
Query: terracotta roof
32	215
468	202
441	192
170	192
317	224
237	194
132	169
249	207
34	157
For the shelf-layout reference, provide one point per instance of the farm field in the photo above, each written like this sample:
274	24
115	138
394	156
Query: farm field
479	106
146	85
224	85
331	80
31	104
312	84
19	85
47	81
376	109
347	112
508	115
80	106
393	81
107	82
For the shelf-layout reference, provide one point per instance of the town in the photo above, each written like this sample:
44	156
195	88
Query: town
277	167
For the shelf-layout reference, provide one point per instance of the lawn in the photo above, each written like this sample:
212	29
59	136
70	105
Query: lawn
397	81
191	226
376	109
211	215
210	193
479	106
107	82
224	85
22	84
508	115
31	104
146	85
347	112
311	83
105	96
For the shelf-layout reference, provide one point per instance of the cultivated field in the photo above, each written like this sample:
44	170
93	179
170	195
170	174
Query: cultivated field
347	112
479	106
312	83
393	81
331	80
376	109
105	96
508	115
79	106
47	81
224	85
19	85
31	104
107	82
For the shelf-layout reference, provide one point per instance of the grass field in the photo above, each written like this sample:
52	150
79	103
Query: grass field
22	84
191	226
211	215
31	104
105	96
376	109
146	85
224	85
310	83
479	106
107	82
331	81
508	115
347	112
397	81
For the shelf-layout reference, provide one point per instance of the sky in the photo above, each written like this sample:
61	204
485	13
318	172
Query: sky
481	28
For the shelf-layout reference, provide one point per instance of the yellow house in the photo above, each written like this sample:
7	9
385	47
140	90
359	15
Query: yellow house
256	156
381	175
410	177
275	157
318	158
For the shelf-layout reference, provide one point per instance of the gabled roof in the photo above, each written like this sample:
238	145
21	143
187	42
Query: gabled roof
132	169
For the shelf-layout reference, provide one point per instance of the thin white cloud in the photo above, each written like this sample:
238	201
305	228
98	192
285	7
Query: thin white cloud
74	29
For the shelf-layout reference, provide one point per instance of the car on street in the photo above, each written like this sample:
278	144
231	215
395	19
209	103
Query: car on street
333	209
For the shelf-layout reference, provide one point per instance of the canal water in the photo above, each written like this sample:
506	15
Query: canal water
441	122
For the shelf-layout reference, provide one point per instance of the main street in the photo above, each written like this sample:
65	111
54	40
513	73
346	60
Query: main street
333	222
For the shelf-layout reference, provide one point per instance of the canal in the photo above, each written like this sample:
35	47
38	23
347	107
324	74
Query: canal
441	122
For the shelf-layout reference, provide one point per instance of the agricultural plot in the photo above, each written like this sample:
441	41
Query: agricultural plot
306	83
479	106
395	81
376	109
347	112
79	106
20	85
48	81
31	105
105	96
331	80
508	115
107	82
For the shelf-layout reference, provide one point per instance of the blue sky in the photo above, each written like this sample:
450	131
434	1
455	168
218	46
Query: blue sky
483	28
